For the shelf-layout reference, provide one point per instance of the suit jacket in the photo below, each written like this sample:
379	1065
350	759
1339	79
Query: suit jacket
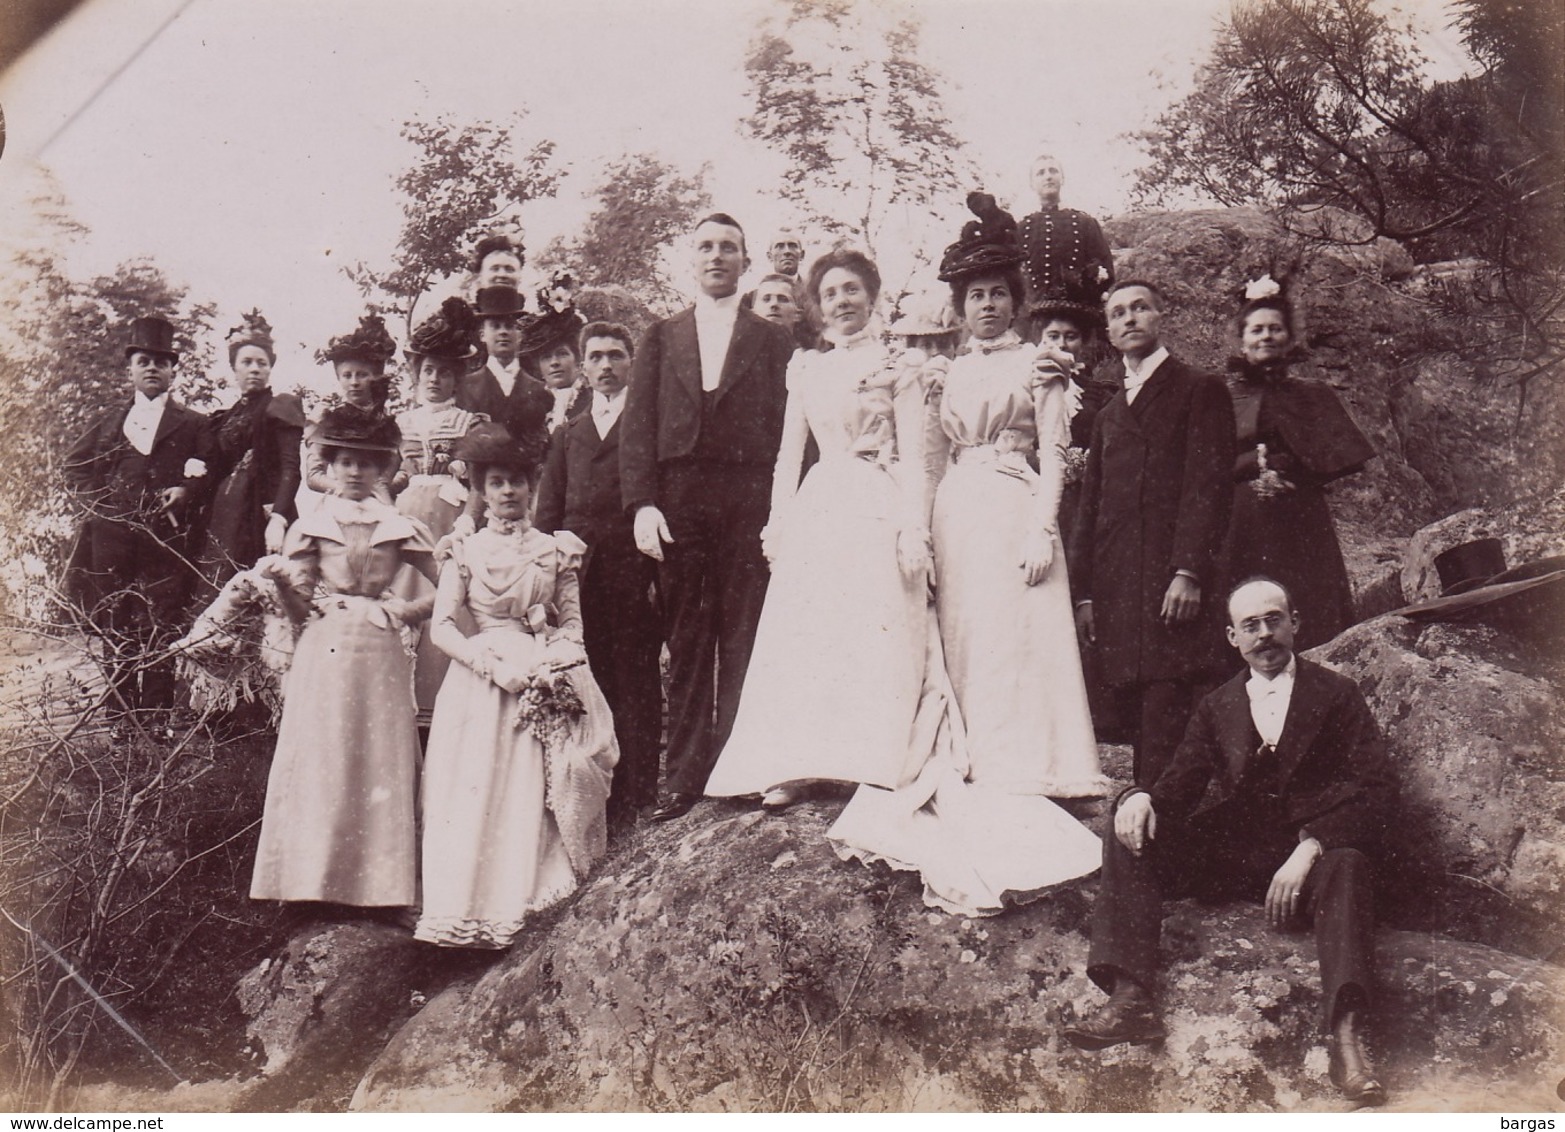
1155	499
667	417
580	402
580	489
524	410
116	482
1331	772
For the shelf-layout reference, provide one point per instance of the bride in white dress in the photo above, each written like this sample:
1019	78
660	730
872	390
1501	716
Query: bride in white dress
978	823
834	682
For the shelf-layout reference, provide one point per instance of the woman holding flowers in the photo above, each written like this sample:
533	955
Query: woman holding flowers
522	746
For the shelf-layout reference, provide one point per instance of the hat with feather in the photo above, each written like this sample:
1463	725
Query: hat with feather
369	342
348	426
989	243
253	330
557	319
450	333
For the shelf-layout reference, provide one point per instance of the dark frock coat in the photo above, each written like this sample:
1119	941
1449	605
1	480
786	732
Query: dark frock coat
1155	499
705	459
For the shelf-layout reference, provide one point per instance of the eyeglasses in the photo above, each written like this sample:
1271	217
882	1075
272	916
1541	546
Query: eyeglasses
1251	626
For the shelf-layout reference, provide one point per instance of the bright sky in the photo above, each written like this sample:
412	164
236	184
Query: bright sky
250	148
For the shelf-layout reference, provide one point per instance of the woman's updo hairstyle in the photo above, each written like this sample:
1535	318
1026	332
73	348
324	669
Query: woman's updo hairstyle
851	260
253	330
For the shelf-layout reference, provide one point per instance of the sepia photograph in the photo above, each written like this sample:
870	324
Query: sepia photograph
782	556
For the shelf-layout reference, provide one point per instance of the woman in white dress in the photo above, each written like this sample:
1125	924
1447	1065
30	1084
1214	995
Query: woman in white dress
834	682
521	749
339	822
979	824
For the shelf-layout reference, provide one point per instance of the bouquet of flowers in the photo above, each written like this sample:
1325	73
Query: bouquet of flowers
548	704
241	645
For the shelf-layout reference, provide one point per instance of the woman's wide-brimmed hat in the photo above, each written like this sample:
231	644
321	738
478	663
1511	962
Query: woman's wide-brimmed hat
489	444
926	315
370	342
557	319
450	333
152	335
988	244
348	426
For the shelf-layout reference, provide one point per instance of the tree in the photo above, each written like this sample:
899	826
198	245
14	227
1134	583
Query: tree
1325	102
840	93
642	205
465	180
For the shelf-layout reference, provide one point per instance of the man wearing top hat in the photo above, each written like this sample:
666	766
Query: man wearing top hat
580	493
698	440
501	388
141	474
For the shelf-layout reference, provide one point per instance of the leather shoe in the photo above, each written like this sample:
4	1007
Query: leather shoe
1351	1069
1127	1017
675	805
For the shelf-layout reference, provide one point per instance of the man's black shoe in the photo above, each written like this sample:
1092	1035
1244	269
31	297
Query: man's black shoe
1351	1069
675	805
1125	1017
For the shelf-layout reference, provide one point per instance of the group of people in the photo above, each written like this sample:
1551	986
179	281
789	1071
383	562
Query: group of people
858	558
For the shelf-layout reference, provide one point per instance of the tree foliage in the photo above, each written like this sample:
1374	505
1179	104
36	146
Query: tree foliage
1326	102
641	206
464	180
840	93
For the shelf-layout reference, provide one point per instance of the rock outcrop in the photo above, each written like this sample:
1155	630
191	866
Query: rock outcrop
731	962
1474	721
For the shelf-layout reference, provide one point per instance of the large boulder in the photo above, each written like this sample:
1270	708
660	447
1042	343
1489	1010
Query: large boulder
1474	722
1453	427
731	962
321	1008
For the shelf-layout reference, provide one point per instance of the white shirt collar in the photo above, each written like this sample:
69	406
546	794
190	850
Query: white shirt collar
141	422
1262	685
505	374
606	410
714	330
1137	376
706	304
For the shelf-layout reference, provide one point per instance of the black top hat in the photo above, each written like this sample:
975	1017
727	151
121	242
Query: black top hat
369	342
348	426
556	320
1469	565
153	335
450	333
1476	585
489	444
499	302
987	244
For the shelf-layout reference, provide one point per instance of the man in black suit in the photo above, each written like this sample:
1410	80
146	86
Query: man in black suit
1154	508
501	389
699	437
1279	791
580	492
141	474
